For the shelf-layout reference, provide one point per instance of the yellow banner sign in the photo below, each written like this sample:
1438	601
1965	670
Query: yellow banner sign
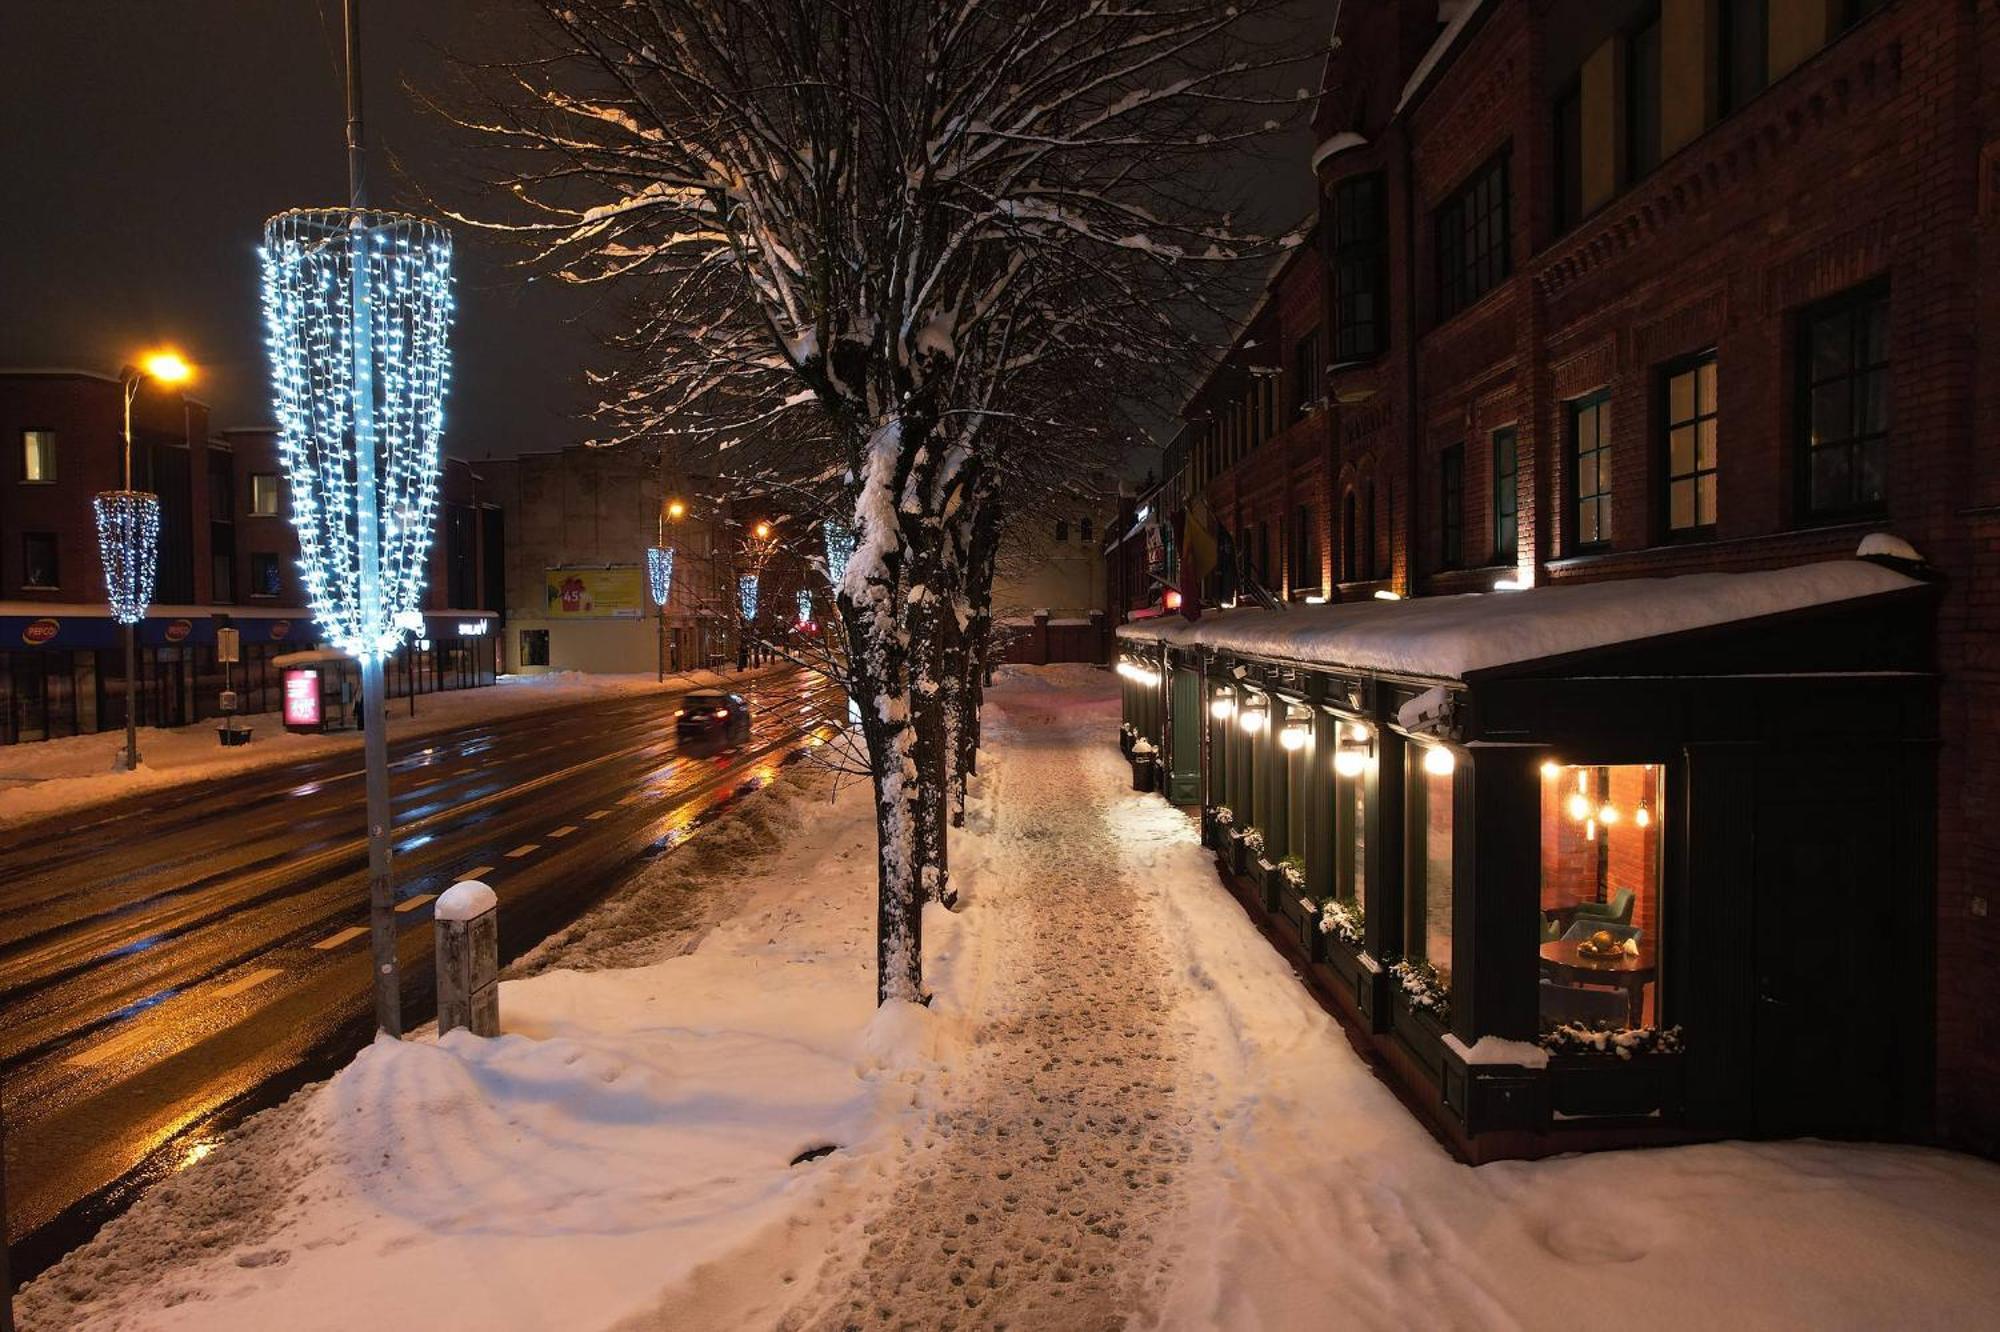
615	593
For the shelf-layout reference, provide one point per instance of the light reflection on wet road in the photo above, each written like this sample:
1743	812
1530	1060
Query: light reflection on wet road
165	970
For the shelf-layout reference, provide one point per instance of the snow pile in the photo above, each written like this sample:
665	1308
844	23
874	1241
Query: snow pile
1448	637
51	776
463	901
630	1135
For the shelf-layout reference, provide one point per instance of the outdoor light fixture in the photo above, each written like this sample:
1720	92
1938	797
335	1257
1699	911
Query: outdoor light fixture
1252	718
763	531
1384	594
660	573
1293	738
1350	763
1172	599
1359	731
128	539
167	367
1438	761
1551	770
1223	708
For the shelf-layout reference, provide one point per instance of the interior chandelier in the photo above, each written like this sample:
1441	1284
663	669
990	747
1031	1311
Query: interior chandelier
128	538
660	573
357	311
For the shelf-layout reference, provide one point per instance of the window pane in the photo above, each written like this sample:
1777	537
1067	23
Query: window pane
38	455
1832	406
1586	522
1872	329
1705	445
1871	481
1600	947
1680	396
1680	509
1830	349
1705	501
1705	386
1430	932
1831	478
1680	451
1873	413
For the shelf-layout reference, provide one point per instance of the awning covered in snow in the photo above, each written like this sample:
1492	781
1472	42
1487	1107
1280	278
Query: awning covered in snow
1449	637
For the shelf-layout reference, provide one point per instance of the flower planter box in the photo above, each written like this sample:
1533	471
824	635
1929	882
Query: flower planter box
1604	1085
1300	910
1271	879
1419	1033
1340	961
1239	853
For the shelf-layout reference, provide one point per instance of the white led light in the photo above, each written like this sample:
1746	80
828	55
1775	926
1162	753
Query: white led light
839	549
746	596
333	278
1350	762
128	539
1222	709
1439	762
1251	720
660	574
1293	738
805	601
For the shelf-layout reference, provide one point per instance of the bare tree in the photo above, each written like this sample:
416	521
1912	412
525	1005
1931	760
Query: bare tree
881	256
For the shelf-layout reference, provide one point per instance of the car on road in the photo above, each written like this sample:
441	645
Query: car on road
712	719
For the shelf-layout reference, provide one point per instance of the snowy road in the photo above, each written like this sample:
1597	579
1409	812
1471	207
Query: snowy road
165	964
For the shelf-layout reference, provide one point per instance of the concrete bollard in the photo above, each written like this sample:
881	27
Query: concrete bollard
467	920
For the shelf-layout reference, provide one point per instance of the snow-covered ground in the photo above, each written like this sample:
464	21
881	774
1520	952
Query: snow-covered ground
1121	1109
54	776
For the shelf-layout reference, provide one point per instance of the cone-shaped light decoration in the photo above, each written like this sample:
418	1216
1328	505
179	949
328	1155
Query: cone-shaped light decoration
128	538
660	573
839	550
357	313
746	596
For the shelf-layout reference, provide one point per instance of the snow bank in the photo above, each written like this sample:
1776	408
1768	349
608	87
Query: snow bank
1447	637
463	901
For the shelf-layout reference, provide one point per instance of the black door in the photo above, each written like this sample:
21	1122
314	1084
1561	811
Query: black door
1825	949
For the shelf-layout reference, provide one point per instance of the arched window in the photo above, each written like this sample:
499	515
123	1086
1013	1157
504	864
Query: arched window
1350	529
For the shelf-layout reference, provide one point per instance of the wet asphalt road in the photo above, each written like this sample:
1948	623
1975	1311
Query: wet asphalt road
169	967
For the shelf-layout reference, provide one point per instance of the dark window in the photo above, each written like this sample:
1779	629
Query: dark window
1305	552
265	577
1642	96
1690	426
38	455
1360	328
1506	496
1451	507
461	557
1083	530
263	494
1369	559
38	560
1307	370
494	555
1590	469
534	647
1350	539
1569	157
1742	51
1853	11
1472	238
222	561
1062	529
1844	363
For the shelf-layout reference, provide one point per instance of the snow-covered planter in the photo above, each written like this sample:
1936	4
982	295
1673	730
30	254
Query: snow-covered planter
1145	768
1344	921
1143	747
1573	1038
1294	870
1246	844
1421	988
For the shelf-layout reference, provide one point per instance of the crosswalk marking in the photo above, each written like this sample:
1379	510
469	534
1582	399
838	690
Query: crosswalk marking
412	903
348	935
563	831
526	850
242	983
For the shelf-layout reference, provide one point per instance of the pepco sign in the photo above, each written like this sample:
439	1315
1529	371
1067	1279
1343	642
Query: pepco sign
37	632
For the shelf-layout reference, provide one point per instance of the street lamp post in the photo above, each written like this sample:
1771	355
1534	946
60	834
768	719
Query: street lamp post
128	539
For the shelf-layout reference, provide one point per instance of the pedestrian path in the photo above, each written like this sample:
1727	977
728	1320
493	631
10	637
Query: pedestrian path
1036	1197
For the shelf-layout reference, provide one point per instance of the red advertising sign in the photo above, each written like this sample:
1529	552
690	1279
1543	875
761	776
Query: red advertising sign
40	631
302	703
177	630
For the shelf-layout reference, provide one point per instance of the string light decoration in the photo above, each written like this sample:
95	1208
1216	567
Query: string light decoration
805	600
358	309
839	550
128	539
660	573
746	596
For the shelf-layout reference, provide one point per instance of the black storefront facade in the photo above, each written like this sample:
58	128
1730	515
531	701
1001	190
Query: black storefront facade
1671	886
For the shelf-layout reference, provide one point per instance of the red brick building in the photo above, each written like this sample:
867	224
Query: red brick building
227	548
1610	290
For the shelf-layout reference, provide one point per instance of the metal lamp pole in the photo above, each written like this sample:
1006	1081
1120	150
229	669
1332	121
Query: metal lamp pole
132	377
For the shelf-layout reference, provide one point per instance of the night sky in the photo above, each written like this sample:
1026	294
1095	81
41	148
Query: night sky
145	142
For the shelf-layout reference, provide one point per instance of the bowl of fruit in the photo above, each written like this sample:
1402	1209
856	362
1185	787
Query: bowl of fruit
1602	945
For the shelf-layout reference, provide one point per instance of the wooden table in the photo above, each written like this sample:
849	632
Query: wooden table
1631	973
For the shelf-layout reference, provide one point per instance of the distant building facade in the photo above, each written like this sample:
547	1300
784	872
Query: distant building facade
1049	584
227	551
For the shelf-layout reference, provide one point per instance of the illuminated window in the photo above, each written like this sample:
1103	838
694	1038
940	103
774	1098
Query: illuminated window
1600	904
263	494
1590	469
1690	423
38	455
1427	922
1353	761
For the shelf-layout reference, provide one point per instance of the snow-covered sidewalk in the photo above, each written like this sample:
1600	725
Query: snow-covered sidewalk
45	777
1120	1109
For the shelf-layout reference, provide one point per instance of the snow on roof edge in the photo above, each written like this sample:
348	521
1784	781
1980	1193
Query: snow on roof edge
1449	637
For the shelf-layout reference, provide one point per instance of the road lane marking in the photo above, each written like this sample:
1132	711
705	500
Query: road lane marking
412	903
348	935
596	814
242	983
630	799
528	849
476	872
564	831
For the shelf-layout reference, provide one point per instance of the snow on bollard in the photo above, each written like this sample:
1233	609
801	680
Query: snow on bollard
467	918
